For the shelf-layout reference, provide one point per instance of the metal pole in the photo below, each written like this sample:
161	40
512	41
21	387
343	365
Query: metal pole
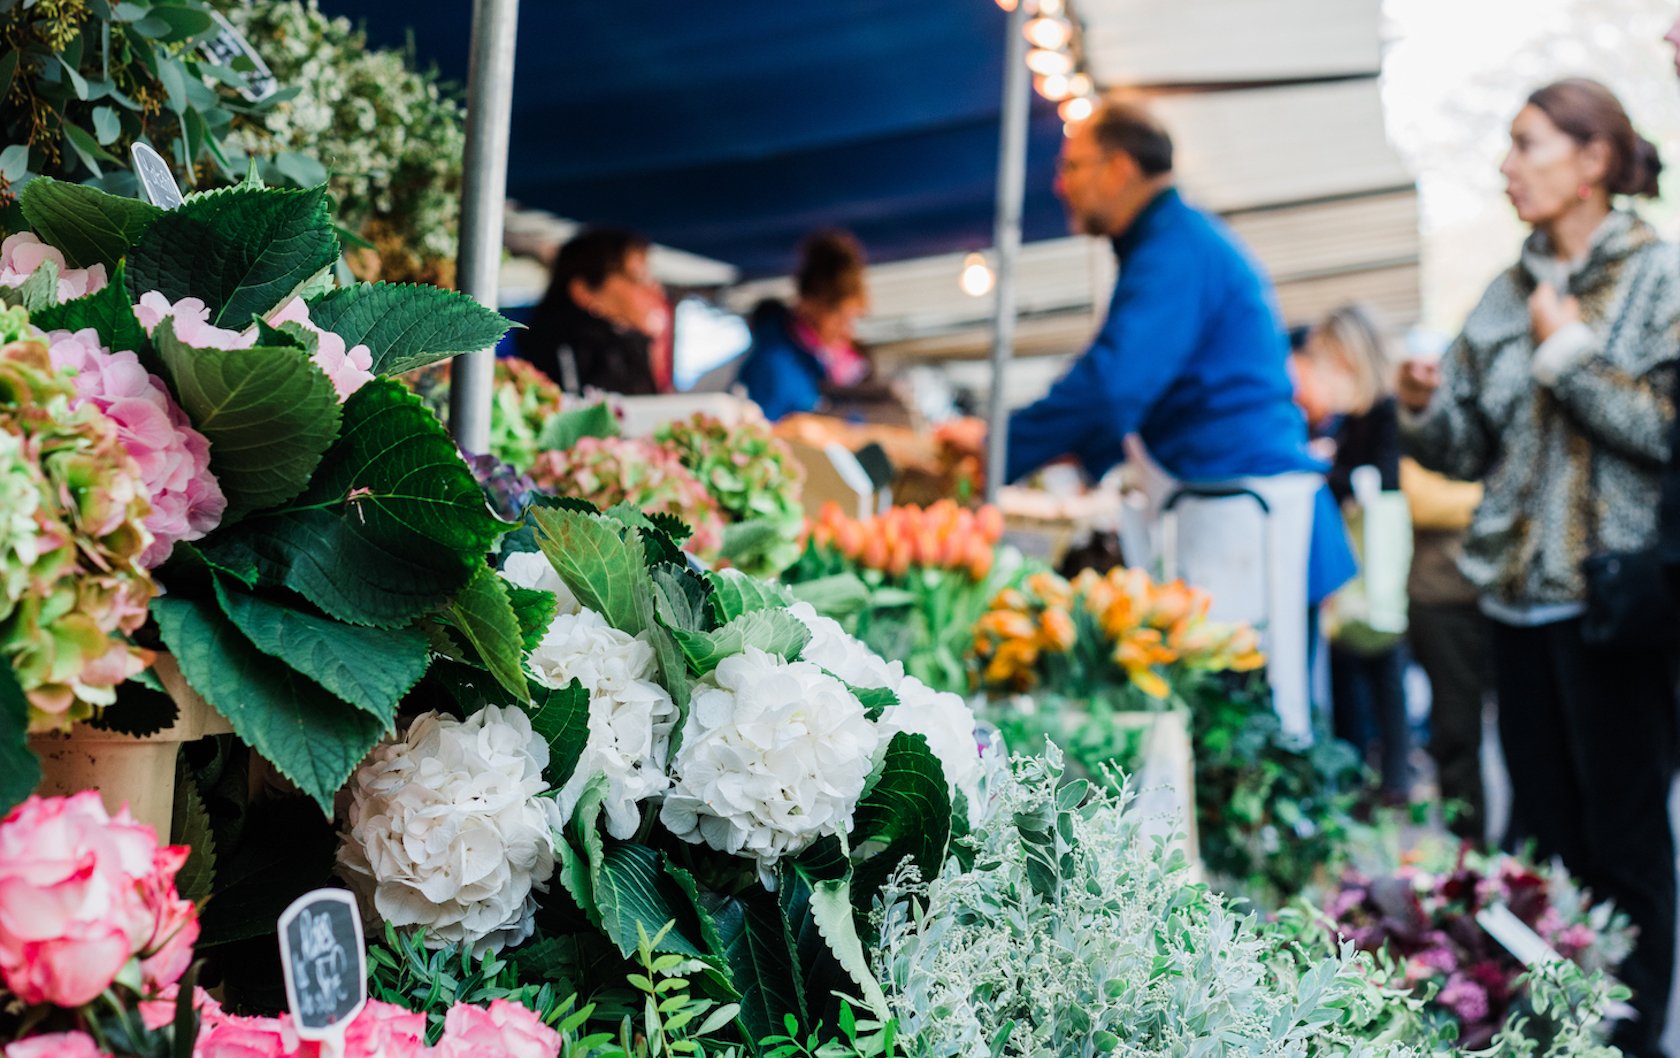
1011	189
483	195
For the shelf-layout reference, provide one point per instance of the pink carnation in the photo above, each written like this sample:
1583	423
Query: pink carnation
174	458
81	893
23	253
56	1045
192	322
349	369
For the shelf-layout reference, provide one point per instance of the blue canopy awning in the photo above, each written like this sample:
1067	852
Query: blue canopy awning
732	130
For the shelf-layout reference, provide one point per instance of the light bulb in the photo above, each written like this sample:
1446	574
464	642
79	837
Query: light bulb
1076	109
1051	7
1053	88
1008	5
1049	63
1050	33
1080	85
976	278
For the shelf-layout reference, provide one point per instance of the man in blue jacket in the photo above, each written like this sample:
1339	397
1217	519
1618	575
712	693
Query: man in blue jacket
1192	359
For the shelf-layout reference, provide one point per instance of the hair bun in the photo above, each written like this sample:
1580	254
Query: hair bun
1644	168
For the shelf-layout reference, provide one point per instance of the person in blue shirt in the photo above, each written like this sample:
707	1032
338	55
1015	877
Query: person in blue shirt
1192	356
802	351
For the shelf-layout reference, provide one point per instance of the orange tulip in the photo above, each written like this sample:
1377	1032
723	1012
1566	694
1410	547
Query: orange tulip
875	552
989	521
902	554
1058	629
980	557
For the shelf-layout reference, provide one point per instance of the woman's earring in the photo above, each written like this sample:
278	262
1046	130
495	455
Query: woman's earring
1584	192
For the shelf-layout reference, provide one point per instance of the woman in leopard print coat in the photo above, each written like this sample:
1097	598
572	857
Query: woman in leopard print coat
1557	396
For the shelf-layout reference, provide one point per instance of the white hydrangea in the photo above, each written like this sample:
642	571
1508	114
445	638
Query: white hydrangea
774	755
531	569
842	654
631	717
948	724
448	829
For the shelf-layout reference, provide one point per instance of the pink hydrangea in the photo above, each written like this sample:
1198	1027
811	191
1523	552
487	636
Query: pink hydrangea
504	1029
349	369
23	253
1465	998
82	893
192	322
56	1045
174	458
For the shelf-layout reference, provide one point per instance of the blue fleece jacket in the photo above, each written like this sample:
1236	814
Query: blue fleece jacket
782	376
1193	358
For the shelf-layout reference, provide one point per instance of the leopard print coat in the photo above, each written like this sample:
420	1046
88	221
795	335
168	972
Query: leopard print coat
1537	448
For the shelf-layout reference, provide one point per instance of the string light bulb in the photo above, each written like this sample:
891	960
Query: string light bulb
976	278
1047	63
1043	32
1076	109
1052	8
1080	84
1008	5
1054	88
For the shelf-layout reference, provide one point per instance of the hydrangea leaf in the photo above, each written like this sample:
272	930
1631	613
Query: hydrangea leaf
370	668
602	564
580	847
391	525
564	429
111	315
484	614
682	597
772	631
139	710
19	770
534	610
38	291
875	700
758	947
243	250
735	594
906	811
269	413
561	716
86	224
407	326
314	739
631	890
190	826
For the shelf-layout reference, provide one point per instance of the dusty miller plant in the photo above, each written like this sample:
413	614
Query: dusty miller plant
1074	935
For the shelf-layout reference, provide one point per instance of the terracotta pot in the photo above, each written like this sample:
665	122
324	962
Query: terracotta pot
138	772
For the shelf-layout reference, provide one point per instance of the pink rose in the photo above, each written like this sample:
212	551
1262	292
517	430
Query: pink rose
505	1029
81	893
57	1045
23	253
384	1030
349	369
174	458
192	322
159	1011
227	1036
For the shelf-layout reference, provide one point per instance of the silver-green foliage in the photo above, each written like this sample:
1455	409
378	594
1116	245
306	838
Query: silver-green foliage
1074	935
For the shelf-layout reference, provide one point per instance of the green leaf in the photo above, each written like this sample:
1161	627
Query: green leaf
734	594
831	909
576	862
314	739
87	225
772	631
631	889
759	950
20	772
392	523
139	710
534	610
906	811
839	595
180	22
109	312
601	563
748	544
88	149
269	413
243	251
191	827
682	598
484	614
370	668
106	126
561	716
564	429
39	290
407	326
875	700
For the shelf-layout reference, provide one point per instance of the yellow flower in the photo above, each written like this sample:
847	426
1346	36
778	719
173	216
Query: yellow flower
1057	630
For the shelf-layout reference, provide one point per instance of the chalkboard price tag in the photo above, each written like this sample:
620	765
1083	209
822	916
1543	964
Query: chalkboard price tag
156	180
325	962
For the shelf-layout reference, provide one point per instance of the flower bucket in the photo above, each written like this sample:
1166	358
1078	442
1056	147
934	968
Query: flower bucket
125	769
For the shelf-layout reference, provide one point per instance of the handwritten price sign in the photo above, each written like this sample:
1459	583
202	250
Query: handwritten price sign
325	962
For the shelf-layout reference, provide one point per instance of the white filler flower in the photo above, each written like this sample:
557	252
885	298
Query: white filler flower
630	716
447	829
774	755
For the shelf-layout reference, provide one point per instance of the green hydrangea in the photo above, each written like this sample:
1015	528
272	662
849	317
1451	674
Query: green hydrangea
522	399
752	475
72	530
608	471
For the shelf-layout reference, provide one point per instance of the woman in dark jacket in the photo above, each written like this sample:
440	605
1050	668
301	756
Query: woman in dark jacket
800	352
601	322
